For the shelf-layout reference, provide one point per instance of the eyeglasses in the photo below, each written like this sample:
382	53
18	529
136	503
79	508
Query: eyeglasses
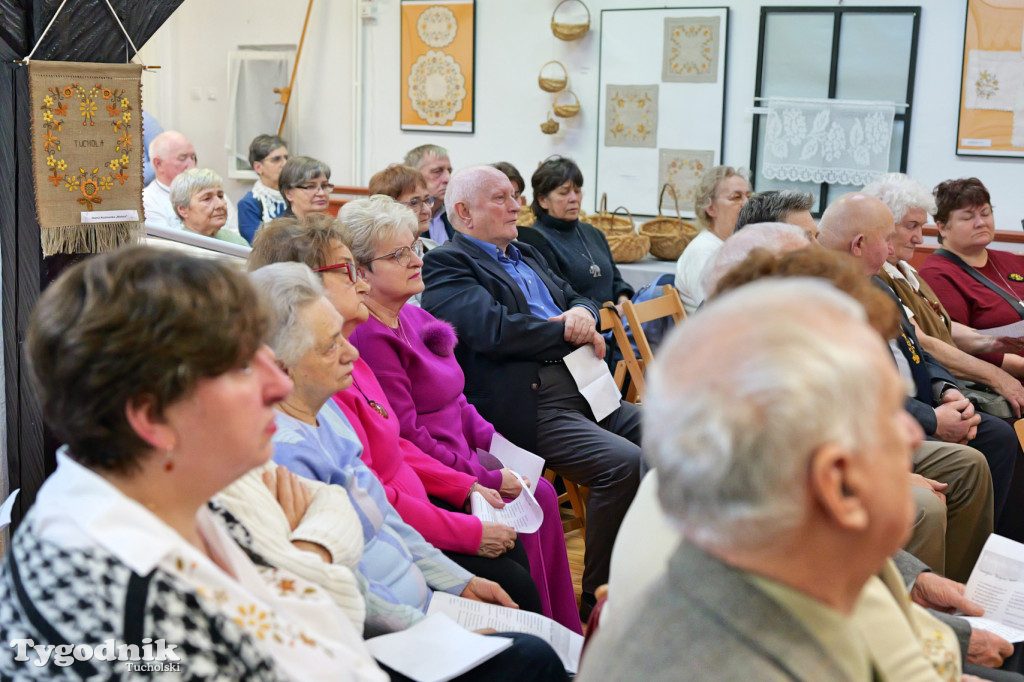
314	187
735	197
417	202
349	268
403	254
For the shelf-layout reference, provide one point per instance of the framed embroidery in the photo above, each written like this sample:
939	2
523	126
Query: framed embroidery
690	50
682	169
661	109
632	116
991	119
438	44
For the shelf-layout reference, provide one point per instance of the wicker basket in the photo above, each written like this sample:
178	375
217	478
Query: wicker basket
626	245
550	126
567	110
669	236
569	31
525	217
548	84
605	221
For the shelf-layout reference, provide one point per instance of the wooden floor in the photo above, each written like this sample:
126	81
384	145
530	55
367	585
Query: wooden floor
574	546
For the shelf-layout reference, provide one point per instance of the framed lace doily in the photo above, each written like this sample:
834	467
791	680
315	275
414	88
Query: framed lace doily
436	87
437	26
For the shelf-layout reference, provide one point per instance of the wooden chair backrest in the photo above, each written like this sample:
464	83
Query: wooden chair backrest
610	320
667	304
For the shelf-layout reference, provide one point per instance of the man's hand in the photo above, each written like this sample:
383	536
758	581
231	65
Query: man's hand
952	426
510	485
987	649
480	589
932	591
579	325
1005	344
290	493
1011	389
928	484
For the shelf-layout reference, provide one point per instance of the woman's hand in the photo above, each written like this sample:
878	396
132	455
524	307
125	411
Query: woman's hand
497	539
487	591
510	485
491	495
290	493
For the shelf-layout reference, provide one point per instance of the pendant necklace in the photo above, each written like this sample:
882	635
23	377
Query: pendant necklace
377	407
595	269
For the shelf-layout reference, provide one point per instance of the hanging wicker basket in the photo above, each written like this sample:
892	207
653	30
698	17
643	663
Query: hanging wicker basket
567	110
564	31
548	84
669	236
550	126
525	217
626	245
605	221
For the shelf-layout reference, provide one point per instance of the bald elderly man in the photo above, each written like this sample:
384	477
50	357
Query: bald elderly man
516	321
788	495
172	154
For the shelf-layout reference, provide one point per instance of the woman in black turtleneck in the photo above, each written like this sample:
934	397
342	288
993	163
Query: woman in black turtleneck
577	251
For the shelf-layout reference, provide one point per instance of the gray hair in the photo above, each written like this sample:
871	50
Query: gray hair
773	206
371	221
774	237
901	194
287	289
262	145
187	183
743	394
300	170
464	185
158	145
705	190
416	157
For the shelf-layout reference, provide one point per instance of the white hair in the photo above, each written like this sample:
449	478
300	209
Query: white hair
288	289
901	194
464	185
187	183
371	221
743	394
774	237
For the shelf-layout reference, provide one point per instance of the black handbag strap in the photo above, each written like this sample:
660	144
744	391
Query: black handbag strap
1005	295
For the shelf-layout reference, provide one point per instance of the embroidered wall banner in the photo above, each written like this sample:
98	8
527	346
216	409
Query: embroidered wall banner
632	115
682	169
994	80
820	140
690	50
87	154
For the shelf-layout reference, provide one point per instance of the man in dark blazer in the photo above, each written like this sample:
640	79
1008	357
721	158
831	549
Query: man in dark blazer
516	321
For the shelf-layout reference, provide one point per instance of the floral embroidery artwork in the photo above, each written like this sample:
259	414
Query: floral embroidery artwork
87	154
690	48
682	169
632	116
994	80
437	26
987	84
437	87
808	140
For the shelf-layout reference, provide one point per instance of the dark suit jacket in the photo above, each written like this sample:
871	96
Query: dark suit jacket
501	344
448	229
704	621
926	369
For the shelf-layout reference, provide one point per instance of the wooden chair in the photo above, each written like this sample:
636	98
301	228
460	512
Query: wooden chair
629	364
575	495
1018	426
667	304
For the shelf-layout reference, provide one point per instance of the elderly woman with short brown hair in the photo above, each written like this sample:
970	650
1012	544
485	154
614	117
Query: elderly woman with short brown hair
151	367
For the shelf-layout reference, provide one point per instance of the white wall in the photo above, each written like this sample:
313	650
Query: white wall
513	40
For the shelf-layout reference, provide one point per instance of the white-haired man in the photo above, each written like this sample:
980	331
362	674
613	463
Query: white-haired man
770	421
951	343
517	320
172	154
433	163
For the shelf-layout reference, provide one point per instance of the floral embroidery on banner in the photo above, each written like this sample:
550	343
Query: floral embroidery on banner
846	142
632	116
91	183
986	84
691	46
682	169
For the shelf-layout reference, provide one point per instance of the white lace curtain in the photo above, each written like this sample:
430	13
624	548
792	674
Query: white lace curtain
827	140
